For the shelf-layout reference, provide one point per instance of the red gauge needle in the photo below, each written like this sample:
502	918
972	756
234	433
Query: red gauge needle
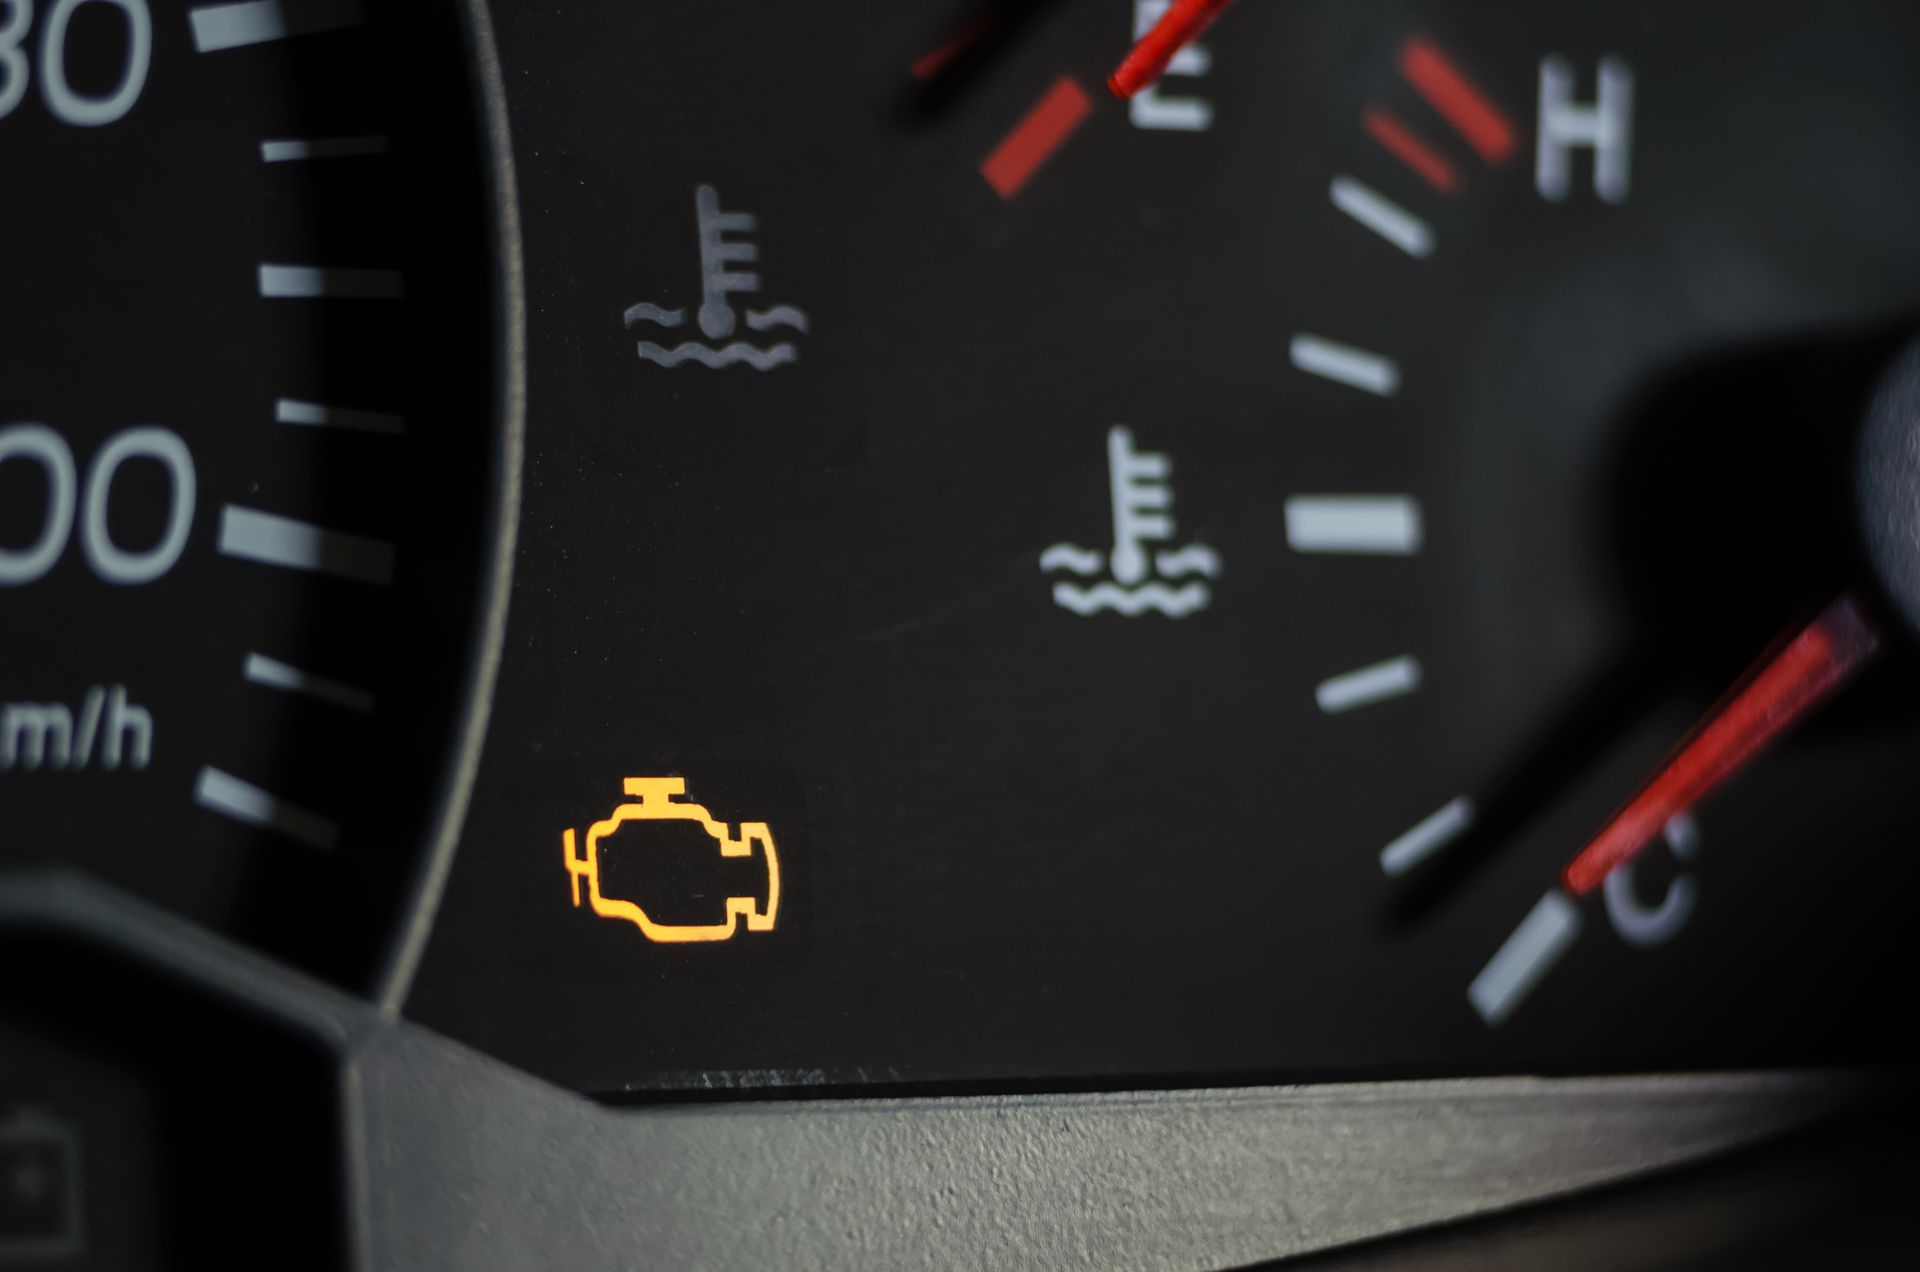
1810	667
1178	27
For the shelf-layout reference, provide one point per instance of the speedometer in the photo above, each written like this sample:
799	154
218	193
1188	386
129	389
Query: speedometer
249	458
748	635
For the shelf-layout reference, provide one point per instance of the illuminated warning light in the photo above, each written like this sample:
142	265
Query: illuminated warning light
656	802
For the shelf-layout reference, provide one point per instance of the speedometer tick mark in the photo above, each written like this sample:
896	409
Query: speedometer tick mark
271	673
268	539
223	793
313	414
313	282
232	26
291	149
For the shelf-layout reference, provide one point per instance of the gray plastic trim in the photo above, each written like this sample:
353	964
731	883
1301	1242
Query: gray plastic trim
458	1161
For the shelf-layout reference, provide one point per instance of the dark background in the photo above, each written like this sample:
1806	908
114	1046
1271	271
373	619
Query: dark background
1032	849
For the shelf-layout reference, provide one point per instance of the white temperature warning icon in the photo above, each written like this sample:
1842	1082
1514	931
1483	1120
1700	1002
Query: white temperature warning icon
721	248
1135	577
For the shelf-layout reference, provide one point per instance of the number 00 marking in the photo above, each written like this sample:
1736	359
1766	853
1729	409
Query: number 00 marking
41	444
109	560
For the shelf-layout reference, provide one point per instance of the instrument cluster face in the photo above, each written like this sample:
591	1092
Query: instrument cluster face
814	549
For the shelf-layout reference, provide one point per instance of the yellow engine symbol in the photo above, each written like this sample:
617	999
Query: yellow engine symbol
656	802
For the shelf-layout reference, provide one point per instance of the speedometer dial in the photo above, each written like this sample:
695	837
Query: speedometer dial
1176	580
247	457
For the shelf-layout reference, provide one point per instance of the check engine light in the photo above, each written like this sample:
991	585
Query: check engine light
655	801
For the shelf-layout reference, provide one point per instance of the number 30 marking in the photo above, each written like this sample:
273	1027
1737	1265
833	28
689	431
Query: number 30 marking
68	106
13	62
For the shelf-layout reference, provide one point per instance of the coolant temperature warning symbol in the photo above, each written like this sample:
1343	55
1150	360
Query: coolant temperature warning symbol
1139	577
655	800
722	246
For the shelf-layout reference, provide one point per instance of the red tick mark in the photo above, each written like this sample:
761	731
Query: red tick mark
1410	150
1459	101
1043	130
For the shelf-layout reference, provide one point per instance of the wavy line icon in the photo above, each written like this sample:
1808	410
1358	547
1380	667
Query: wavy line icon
1065	556
707	356
1195	558
778	316
1131	601
655	314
